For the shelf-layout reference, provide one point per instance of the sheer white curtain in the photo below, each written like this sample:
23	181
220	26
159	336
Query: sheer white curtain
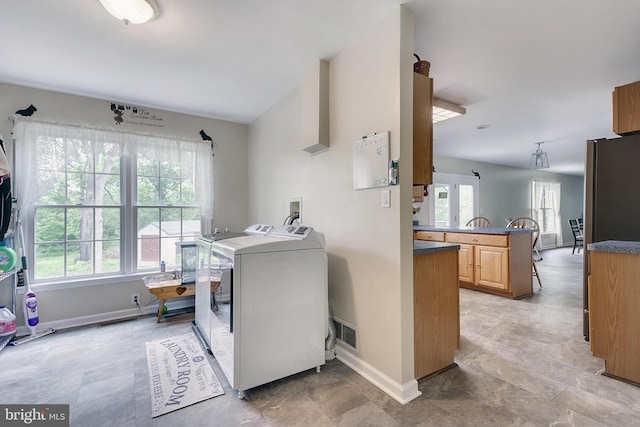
193	156
26	185
545	206
555	193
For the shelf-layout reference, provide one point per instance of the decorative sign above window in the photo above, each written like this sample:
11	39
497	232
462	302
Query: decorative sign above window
132	115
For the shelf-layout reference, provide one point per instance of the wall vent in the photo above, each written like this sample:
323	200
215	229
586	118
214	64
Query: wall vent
347	334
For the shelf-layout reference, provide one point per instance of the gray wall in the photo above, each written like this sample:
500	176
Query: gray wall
72	303
505	191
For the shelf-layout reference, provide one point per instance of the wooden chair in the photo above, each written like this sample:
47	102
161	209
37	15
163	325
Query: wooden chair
578	238
532	224
479	221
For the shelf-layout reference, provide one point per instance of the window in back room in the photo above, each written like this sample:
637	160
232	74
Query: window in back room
103	203
545	209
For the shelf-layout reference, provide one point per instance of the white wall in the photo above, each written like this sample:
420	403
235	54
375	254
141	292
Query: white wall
231	186
505	191
369	247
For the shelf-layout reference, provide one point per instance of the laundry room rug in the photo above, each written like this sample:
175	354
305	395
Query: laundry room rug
179	374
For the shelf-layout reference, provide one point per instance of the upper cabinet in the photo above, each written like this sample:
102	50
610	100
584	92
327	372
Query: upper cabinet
422	129
626	109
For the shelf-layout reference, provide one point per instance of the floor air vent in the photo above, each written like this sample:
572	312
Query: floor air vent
346	333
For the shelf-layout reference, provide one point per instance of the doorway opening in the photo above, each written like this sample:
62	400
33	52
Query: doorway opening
452	200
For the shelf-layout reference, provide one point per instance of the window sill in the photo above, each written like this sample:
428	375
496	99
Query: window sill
88	282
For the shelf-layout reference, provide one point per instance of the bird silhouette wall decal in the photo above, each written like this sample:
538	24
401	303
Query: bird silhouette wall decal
27	111
204	136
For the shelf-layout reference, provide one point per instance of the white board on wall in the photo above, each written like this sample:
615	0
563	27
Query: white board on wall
371	161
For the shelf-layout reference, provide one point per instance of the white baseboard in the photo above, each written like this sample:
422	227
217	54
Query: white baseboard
172	304
403	393
89	320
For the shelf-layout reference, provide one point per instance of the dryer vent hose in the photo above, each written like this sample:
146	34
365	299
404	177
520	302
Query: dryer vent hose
330	342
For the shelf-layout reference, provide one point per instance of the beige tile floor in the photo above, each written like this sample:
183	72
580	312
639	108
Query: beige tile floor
521	363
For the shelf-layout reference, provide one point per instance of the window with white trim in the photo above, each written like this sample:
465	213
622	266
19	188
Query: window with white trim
545	209
545	205
453	199
103	203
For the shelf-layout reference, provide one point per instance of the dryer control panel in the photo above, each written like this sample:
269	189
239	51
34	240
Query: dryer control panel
294	231
259	229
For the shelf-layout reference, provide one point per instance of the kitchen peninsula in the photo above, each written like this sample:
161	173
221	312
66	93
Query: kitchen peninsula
493	260
436	306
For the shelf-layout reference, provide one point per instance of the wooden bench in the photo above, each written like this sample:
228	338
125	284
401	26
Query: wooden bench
167	289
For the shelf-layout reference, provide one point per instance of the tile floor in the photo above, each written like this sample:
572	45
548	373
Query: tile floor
521	363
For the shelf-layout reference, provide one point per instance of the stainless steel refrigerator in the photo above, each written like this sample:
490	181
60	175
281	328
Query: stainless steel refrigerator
612	197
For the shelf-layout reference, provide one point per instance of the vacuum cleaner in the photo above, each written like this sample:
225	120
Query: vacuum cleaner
30	306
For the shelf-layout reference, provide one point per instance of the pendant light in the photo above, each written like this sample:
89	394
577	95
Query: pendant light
539	159
132	11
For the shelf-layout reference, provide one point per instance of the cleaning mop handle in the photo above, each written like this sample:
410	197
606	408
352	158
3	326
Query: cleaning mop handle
23	255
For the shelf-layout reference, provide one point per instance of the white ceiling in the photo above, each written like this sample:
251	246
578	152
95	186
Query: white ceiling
530	70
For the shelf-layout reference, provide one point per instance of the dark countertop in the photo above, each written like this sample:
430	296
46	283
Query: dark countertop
474	230
616	246
421	247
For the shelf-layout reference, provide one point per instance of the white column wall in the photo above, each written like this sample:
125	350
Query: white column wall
369	247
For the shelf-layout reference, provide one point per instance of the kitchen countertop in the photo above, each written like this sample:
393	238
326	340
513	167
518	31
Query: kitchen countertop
421	247
476	230
616	246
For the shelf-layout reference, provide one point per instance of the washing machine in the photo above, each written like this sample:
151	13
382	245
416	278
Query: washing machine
220	270
275	322
208	300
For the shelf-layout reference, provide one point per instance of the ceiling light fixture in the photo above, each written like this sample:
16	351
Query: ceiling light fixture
539	159
132	11
443	110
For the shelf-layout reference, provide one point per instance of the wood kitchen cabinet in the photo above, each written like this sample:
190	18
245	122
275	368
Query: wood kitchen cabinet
465	263
614	298
422	130
500	264
431	236
626	109
491	267
436	311
487	260
484	266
